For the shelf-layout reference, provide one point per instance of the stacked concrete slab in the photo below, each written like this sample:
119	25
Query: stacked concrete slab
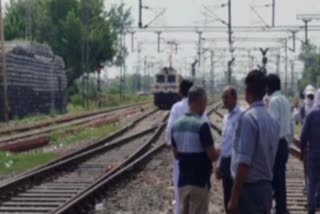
36	80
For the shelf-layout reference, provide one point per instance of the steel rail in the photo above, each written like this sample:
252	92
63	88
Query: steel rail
98	143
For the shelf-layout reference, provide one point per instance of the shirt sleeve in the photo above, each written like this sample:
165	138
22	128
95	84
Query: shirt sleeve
297	116
205	117
206	138
274	110
247	141
305	132
171	120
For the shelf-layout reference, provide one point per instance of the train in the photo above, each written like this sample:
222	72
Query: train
166	88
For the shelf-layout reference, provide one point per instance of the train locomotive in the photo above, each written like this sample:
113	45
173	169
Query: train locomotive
166	88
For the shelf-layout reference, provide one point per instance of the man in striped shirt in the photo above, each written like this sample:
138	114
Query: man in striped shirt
193	146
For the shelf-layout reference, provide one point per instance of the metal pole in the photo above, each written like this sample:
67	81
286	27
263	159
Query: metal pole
212	72
144	74
132	41
278	65
292	78
159	42
286	67
230	40
140	14
4	71
199	47
306	21
273	12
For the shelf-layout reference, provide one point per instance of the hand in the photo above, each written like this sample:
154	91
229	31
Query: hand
233	207
218	173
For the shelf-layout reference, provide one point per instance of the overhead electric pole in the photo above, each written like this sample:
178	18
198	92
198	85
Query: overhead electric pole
292	78
306	25
273	13
3	68
230	41
286	66
140	14
212	79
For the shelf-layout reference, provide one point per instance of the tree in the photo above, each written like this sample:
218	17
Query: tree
66	25
311	74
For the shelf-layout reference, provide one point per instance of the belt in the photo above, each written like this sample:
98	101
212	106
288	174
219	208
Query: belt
257	183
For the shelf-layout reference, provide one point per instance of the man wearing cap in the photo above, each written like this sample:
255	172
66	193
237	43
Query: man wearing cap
300	115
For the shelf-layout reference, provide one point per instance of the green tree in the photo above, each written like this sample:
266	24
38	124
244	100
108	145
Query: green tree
66	25
311	74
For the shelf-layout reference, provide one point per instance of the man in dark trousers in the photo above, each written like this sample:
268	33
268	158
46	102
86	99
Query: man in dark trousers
193	146
230	123
310	151
280	110
254	152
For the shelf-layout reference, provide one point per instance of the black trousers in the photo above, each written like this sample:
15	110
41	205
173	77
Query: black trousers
227	180
279	177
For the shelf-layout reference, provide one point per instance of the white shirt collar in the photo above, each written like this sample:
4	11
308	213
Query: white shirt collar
276	93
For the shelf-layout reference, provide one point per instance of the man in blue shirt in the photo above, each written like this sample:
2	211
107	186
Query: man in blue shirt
230	123
254	152
193	146
310	151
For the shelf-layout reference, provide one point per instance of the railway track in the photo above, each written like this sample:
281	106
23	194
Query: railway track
38	135
60	119
72	184
51	188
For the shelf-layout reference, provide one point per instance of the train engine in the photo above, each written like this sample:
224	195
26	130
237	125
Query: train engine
166	88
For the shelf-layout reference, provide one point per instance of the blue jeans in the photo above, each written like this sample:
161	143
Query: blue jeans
313	184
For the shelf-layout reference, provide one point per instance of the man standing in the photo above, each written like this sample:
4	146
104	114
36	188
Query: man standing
310	150
254	152
230	123
178	110
193	146
300	114
280	110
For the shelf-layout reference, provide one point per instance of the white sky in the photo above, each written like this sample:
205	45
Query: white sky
188	12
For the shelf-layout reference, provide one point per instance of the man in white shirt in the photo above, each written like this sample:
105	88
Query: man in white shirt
178	110
230	123
280	110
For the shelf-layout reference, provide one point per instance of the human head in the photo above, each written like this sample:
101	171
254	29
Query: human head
229	97
255	86
184	88
309	92
273	83
197	99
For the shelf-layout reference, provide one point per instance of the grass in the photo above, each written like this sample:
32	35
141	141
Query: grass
298	129
11	163
18	162
60	139
110	101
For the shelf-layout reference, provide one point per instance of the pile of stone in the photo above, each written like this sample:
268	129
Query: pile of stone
36	80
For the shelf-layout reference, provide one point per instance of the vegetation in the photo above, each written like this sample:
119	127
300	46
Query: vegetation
60	139
67	26
311	75
12	163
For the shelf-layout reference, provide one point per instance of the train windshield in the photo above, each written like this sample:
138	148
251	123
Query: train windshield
171	78
160	79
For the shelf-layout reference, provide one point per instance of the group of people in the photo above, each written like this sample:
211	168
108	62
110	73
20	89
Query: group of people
254	150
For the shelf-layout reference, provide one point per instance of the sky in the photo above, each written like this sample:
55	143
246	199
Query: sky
190	13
